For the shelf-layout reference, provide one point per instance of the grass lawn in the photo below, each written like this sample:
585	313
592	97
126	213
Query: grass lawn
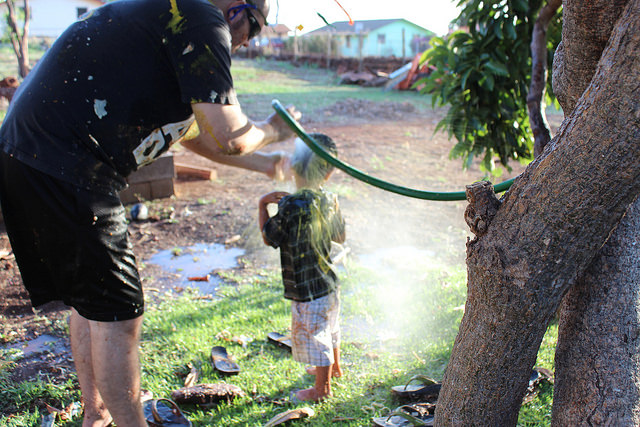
308	88
394	325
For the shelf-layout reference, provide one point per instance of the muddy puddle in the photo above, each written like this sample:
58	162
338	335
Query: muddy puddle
195	266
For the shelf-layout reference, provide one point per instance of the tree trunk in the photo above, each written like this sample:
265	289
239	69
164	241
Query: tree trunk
20	41
597	379
548	229
597	361
535	101
583	38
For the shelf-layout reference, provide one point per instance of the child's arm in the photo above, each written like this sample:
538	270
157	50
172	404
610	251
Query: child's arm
263	213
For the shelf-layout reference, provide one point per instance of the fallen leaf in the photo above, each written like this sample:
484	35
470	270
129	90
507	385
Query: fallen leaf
292	414
192	378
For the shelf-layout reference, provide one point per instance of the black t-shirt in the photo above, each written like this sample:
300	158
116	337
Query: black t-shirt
115	90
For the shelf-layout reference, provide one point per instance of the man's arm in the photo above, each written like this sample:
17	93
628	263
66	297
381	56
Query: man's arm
227	136
226	130
270	164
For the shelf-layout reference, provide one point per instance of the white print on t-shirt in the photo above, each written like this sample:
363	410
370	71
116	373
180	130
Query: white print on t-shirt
147	151
100	107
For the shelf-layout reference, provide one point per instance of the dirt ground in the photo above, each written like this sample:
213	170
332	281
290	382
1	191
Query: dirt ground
391	141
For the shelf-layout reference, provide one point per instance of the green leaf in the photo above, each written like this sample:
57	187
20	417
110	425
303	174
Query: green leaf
497	68
521	6
487	82
465	76
510	29
497	30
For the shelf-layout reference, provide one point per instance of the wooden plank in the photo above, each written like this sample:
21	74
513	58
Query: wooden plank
190	171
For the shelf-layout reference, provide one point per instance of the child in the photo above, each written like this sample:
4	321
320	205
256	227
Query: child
303	229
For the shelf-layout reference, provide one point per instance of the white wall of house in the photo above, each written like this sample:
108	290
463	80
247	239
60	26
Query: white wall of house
49	18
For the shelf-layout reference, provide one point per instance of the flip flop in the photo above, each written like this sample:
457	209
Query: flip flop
406	416
278	339
166	415
428	389
222	362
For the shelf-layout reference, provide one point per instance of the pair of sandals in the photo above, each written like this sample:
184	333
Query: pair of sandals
225	364
167	413
416	414
413	414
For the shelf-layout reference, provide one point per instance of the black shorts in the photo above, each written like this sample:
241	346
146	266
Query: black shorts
70	244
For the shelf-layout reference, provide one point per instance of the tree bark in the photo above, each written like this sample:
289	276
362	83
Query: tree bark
585	31
597	379
535	104
597	355
548	229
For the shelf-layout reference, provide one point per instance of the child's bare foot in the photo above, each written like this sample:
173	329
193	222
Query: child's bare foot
310	395
336	371
311	370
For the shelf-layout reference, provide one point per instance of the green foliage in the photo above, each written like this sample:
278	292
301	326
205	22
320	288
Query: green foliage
26	399
483	74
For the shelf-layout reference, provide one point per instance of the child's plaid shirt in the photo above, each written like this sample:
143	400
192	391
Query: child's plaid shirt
303	229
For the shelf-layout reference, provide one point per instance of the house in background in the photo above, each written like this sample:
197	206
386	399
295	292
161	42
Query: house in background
49	18
273	36
380	37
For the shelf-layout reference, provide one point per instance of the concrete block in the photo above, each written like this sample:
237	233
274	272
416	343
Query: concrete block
153	181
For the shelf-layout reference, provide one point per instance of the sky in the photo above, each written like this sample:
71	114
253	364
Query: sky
433	15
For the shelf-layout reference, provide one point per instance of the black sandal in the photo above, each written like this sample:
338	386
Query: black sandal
427	390
164	415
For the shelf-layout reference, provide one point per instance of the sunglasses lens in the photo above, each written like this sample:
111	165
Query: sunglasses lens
254	26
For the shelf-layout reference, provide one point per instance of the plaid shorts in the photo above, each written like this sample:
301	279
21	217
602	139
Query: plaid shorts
315	330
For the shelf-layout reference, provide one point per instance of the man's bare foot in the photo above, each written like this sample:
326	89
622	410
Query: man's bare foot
310	395
336	373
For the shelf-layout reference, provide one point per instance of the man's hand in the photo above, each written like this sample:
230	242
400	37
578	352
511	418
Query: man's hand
280	168
281	130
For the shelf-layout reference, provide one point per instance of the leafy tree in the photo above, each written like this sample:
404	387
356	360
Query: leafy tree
19	38
483	73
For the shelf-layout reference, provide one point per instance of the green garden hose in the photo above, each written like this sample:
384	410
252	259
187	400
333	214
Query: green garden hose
358	174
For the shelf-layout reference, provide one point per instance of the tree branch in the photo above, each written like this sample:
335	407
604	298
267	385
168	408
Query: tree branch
537	118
